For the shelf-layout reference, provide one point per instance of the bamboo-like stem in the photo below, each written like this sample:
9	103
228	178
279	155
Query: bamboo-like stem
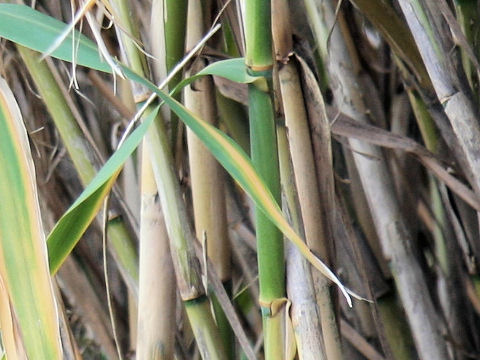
377	183
258	38
83	159
319	28
269	240
167	31
82	156
265	160
457	105
198	312
300	288
316	225
206	175
156	299
185	263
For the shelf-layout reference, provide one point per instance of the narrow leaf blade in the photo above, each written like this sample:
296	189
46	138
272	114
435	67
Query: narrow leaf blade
23	254
78	217
37	31
222	147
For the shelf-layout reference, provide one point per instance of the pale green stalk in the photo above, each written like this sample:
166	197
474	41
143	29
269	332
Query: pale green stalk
167	33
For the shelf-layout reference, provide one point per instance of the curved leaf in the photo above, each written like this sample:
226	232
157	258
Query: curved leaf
227	152
77	218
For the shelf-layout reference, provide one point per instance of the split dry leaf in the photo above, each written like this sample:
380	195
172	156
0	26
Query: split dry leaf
347	127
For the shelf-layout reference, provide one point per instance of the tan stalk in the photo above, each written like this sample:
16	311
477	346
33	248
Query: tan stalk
185	263
156	298
156	315
129	181
377	183
206	174
316	226
132	323
305	315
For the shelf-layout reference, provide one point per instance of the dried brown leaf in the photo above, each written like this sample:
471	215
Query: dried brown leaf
346	126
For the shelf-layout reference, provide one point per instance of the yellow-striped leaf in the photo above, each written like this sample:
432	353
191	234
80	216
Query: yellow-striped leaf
227	152
77	218
24	270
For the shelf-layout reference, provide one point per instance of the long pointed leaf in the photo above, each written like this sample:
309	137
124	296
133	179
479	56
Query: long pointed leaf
227	152
34	30
81	213
23	254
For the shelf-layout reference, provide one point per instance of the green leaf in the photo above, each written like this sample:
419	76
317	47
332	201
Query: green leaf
227	152
32	29
239	166
231	69
27	296
81	213
28	27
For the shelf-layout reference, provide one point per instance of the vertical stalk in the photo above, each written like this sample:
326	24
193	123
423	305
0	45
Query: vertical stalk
167	33
316	222
156	299
396	241
206	174
187	268
460	110
263	144
185	263
300	286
